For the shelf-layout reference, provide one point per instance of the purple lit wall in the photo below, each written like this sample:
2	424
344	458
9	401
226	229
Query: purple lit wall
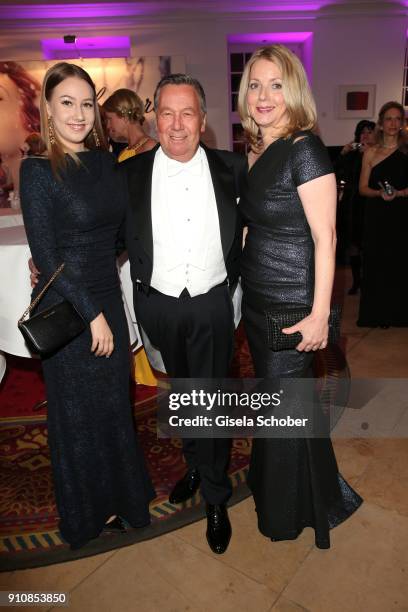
106	10
71	11
100	46
271	38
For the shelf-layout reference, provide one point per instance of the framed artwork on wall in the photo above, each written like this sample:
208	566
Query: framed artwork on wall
20	83
356	101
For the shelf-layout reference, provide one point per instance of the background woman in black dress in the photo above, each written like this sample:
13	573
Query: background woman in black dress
350	213
288	259
384	291
73	204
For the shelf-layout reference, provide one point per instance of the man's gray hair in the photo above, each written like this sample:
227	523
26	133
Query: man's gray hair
181	79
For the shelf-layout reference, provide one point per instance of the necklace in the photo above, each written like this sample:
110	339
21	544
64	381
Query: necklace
389	146
138	145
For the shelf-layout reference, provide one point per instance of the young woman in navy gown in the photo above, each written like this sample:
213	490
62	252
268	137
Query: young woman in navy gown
73	205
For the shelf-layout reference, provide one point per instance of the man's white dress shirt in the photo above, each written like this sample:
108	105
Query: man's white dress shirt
187	251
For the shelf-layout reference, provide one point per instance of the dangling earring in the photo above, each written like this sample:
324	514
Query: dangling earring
96	137
51	132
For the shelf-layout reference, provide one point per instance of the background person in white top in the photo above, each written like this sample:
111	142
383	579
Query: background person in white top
183	235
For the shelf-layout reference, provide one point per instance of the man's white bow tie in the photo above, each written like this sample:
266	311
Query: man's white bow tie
193	166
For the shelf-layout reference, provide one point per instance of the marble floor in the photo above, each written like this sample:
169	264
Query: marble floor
365	570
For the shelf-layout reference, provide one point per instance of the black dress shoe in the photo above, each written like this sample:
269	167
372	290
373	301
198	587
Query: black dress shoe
185	487
218	528
115	525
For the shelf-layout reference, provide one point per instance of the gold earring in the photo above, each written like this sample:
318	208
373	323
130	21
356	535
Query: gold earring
51	132
96	137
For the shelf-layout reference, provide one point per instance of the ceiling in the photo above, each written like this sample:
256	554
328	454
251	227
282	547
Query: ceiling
32	14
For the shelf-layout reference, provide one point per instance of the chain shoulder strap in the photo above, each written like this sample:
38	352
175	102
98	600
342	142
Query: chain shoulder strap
39	296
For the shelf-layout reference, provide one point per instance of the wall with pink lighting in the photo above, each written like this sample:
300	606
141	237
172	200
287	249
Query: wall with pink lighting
346	50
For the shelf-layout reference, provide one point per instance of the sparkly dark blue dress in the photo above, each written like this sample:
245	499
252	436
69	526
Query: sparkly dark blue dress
98	467
295	482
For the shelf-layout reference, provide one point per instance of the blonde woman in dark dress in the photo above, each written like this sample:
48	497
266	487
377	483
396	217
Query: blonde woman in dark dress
384	292
288	260
73	204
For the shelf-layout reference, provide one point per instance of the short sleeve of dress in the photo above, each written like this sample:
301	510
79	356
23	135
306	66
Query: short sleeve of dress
309	159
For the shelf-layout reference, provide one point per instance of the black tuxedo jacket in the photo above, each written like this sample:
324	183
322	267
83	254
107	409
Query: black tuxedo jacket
228	172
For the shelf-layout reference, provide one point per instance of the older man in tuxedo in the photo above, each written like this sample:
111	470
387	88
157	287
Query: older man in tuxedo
183	235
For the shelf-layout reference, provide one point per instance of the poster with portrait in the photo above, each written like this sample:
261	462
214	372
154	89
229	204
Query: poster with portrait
20	85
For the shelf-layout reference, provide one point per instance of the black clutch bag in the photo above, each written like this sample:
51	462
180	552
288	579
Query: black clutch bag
49	330
279	319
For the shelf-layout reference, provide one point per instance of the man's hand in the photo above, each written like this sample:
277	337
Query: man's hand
34	272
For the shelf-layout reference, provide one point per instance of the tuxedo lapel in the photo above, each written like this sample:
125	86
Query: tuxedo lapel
224	189
140	182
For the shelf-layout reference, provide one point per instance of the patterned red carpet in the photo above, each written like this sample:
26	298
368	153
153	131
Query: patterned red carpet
29	535
28	518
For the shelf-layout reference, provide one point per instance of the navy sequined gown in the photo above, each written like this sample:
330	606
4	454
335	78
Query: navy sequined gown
295	482
98	467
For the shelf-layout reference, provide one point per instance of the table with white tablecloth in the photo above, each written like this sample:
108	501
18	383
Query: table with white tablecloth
10	217
15	288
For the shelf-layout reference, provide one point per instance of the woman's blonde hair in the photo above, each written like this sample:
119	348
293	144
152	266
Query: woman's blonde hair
126	104
300	105
96	137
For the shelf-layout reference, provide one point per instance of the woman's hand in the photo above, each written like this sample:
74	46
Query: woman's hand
314	330
347	148
102	337
388	198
